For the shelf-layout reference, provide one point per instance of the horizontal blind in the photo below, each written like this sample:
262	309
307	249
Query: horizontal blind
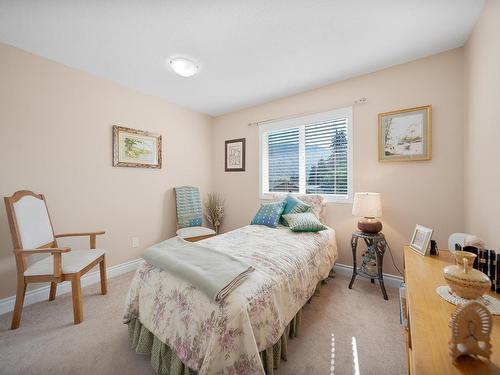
283	160
308	155
326	159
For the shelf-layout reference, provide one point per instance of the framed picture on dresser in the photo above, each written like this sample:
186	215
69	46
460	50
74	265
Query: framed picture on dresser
420	239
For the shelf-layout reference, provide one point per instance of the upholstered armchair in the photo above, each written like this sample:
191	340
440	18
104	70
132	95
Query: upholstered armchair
32	233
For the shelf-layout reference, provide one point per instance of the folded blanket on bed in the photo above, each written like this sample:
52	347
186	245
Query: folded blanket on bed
213	272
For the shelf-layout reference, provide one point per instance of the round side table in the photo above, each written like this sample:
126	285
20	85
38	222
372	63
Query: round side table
371	260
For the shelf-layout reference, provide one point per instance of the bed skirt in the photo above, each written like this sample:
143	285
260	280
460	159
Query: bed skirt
166	362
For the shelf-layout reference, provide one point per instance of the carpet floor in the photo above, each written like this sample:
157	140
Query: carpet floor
48	343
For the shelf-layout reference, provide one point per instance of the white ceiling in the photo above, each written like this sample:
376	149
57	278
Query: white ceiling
250	52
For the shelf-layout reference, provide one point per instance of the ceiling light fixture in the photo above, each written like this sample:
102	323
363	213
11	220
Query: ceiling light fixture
183	66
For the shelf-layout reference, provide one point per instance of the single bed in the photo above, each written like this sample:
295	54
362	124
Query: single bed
186	333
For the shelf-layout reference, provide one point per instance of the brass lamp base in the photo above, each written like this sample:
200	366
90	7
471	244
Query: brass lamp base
369	225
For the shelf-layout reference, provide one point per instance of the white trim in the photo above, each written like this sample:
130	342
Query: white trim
42	294
389	280
300	122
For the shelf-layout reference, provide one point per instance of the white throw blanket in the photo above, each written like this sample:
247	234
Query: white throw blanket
213	272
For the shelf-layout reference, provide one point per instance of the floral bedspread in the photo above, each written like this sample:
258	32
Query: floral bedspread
226	337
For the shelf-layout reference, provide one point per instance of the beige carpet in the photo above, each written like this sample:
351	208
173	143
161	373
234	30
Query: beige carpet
49	343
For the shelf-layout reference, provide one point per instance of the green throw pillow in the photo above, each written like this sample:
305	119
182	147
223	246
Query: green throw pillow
304	222
269	214
293	206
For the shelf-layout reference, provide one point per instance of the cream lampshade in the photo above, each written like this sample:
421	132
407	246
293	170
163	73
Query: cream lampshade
369	207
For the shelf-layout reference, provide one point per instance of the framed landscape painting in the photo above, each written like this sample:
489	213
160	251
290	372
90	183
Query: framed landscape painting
136	148
405	135
235	155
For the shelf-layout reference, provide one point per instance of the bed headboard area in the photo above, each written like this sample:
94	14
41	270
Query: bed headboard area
317	203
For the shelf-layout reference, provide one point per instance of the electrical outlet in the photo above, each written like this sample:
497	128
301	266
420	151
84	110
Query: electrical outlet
135	242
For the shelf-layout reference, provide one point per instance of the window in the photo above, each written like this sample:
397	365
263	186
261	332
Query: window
308	155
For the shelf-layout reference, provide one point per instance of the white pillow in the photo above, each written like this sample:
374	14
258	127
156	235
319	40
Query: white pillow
317	203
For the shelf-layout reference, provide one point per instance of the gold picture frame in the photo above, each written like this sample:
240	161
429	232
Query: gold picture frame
136	148
405	135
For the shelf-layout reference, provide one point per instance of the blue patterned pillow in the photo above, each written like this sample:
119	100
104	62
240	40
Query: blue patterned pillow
293	206
304	222
269	214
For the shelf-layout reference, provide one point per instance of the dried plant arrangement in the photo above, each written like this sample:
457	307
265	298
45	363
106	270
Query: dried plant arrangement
214	210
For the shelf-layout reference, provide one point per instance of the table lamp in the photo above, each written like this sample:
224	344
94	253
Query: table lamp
369	207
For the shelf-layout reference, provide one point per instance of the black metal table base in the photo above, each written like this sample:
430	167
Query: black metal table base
376	245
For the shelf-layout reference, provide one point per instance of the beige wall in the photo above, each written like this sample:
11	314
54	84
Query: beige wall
56	130
429	192
56	138
482	127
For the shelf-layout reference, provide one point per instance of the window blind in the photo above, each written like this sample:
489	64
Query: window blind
326	157
283	160
311	156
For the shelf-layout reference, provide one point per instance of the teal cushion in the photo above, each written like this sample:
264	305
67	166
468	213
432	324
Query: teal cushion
293	206
304	222
269	214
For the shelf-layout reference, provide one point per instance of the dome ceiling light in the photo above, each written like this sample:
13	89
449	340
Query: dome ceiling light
183	66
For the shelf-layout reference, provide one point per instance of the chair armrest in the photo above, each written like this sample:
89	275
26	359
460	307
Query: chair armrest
46	250
79	234
92	236
56	252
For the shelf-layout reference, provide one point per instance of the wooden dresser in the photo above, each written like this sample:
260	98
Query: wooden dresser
428	314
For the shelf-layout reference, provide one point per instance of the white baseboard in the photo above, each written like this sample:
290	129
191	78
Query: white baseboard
389	280
42	294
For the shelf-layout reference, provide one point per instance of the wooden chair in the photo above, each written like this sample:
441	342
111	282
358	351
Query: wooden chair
32	233
189	215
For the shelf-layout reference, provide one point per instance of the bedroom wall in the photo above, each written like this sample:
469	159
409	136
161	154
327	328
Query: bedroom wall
482	127
426	192
56	139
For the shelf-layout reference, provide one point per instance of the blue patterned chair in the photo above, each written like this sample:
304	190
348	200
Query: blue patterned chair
189	214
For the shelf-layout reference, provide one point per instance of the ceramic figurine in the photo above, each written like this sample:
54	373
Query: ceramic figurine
470	331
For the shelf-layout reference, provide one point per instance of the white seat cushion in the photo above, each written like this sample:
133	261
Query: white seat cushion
72	262
189	232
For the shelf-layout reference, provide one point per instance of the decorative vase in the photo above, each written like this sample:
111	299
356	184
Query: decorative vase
461	255
465	281
369	264
369	225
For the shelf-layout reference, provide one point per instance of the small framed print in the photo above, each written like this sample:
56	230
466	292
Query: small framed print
235	155
405	135
420	239
136	148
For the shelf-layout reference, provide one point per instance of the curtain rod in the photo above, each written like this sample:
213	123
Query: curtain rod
362	100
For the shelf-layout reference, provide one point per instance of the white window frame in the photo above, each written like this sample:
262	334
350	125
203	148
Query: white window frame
300	122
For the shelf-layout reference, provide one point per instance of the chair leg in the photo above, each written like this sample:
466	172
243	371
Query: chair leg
104	279
76	289
18	308
53	291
